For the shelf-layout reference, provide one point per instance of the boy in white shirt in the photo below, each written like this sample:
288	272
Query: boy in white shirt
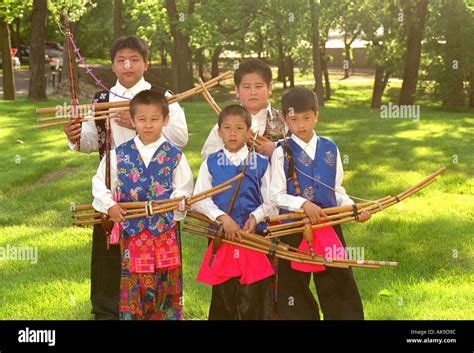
129	56
307	176
253	86
146	168
240	278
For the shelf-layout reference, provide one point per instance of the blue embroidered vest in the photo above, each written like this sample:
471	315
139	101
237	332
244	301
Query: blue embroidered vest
322	168
136	182
249	197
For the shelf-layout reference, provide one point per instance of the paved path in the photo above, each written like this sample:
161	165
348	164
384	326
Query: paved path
22	81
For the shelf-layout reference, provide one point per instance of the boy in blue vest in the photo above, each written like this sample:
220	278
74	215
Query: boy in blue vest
316	164
240	277
145	168
129	57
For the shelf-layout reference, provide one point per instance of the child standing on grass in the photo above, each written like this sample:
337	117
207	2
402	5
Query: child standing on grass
319	174
253	86
129	56
240	277
145	168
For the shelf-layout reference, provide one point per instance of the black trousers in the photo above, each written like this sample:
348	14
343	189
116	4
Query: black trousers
234	301
336	288
105	277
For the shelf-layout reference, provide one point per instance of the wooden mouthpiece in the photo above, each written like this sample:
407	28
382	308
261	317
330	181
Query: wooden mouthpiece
216	244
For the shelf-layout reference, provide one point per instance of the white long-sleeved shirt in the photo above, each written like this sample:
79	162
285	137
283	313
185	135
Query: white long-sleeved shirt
176	131
182	177
214	142
280	197
204	182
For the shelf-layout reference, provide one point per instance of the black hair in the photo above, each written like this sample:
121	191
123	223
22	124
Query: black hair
235	109
130	42
250	66
298	100
148	97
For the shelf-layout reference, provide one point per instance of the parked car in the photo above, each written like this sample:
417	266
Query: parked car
55	56
56	63
53	45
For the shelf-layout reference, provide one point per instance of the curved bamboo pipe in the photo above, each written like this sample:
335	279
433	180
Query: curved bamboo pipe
291	256
107	105
138	213
374	209
141	204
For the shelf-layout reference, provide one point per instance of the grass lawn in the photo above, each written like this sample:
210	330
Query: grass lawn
430	234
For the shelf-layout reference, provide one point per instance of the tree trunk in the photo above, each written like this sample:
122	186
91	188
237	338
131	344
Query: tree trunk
347	63
7	64
164	61
180	52
452	86
259	44
190	71
413	54
15	33
215	61
324	68
281	56
118	20
291	71
380	82
200	62
37	89
471	89
315	41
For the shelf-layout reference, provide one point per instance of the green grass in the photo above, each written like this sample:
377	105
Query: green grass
430	234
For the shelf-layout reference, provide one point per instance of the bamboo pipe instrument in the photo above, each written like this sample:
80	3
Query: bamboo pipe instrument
103	117
264	241
168	207
142	204
281	246
164	205
292	256
209	97
249	237
86	115
327	211
246	244
374	208
339	209
332	215
108	105
110	112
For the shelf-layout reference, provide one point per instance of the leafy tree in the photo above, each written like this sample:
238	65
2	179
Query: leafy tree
37	89
382	29
414	20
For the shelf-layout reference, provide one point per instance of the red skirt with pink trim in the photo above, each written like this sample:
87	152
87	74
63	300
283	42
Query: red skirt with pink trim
325	243
233	261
